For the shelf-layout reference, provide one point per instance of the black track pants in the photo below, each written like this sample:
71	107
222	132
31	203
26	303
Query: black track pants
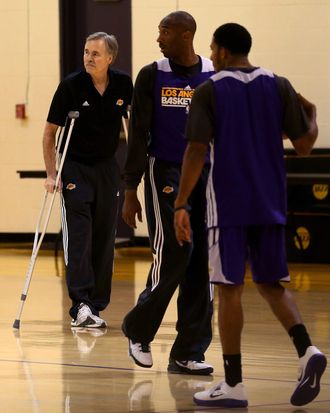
174	266
90	200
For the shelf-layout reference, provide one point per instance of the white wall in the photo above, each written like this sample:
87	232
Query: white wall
291	37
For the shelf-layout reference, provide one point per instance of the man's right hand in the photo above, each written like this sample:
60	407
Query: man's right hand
50	185
131	208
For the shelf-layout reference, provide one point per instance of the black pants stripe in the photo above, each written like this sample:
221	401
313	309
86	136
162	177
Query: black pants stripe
174	266
89	219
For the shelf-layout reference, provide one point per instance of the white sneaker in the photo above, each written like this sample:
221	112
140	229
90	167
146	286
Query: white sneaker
189	367
140	353
85	318
100	323
311	368
223	395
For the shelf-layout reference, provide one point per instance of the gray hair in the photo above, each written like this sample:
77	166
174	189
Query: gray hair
109	40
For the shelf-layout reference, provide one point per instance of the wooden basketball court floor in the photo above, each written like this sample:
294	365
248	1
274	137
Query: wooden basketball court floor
45	367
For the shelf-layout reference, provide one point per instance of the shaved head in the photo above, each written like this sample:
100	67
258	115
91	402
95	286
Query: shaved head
180	19
176	35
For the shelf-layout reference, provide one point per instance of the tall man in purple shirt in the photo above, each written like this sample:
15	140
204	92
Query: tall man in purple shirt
156	144
242	113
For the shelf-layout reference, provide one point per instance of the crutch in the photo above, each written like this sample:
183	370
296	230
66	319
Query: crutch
38	237
125	126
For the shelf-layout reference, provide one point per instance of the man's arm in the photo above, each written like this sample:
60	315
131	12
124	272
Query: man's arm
193	162
199	131
139	127
304	144
299	118
48	144
138	137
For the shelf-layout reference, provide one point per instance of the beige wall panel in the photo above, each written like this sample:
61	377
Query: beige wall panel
18	214
146	15
30	75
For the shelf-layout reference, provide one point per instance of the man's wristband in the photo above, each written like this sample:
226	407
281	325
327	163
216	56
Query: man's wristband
185	207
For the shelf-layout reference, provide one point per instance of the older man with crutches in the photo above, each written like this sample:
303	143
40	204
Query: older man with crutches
90	177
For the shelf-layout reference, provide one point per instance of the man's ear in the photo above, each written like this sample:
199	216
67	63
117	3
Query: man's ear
222	52
186	35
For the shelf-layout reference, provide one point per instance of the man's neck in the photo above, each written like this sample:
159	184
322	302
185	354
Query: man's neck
101	83
238	62
188	59
100	80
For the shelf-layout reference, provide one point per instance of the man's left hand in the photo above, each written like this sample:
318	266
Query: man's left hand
182	226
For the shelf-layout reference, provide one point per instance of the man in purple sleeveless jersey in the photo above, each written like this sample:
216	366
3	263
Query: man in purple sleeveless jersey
242	114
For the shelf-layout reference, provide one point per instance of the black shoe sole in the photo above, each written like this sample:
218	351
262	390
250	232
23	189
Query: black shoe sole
175	369
307	392
89	322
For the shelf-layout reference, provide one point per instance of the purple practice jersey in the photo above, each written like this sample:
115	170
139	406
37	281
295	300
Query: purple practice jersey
172	97
247	182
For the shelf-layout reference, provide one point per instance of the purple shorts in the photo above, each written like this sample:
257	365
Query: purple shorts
263	246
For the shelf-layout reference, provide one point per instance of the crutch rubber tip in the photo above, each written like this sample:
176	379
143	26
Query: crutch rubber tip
16	324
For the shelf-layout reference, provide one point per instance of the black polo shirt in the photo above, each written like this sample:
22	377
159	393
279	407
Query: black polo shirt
96	132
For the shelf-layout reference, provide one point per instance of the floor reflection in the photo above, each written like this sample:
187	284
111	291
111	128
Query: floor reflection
49	367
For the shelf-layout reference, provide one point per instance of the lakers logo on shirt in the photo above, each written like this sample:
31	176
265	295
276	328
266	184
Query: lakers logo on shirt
70	186
168	189
176	97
